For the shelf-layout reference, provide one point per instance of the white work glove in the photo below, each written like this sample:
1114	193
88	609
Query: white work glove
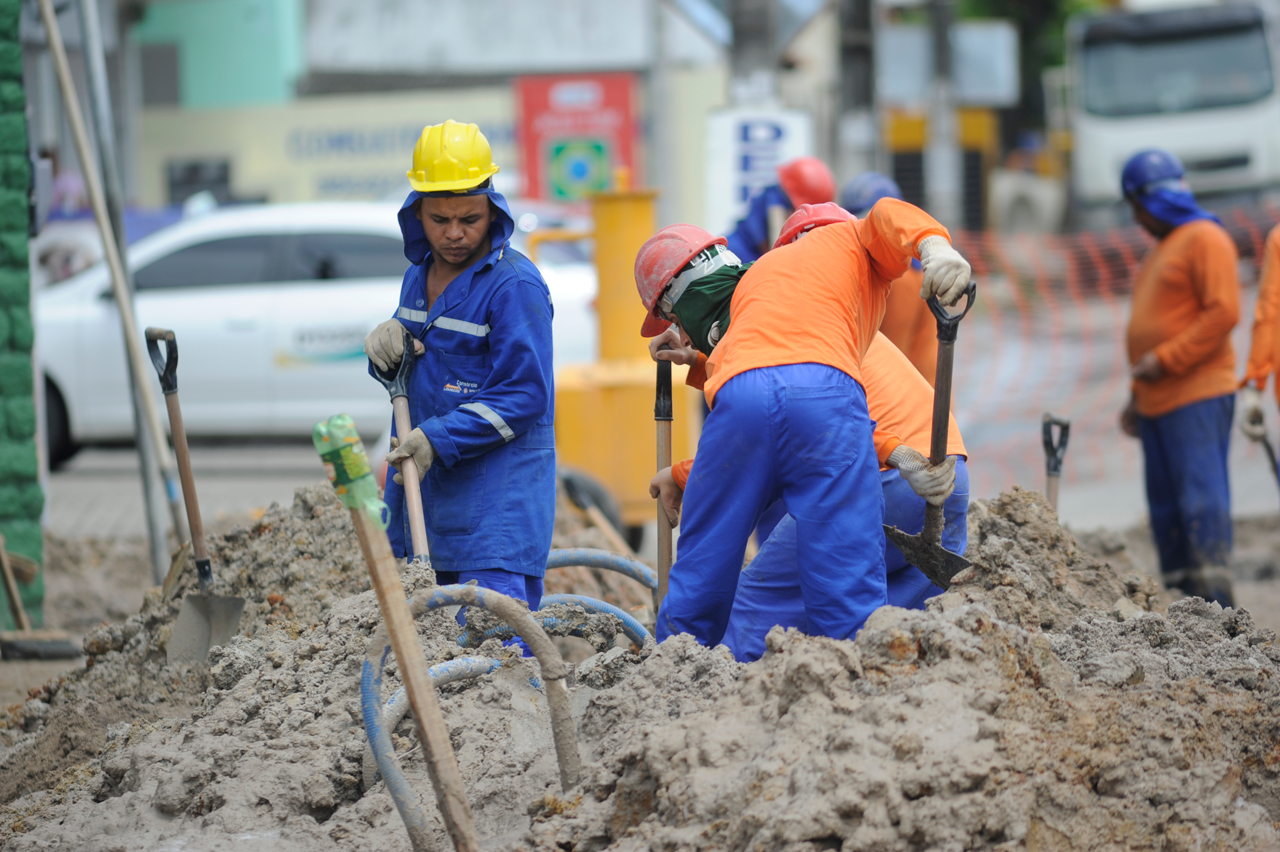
946	273
1251	413
417	446
385	345
933	483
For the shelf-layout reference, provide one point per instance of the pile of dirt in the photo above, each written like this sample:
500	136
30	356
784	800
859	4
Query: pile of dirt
1043	702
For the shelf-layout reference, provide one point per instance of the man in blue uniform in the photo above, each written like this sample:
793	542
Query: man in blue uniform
481	398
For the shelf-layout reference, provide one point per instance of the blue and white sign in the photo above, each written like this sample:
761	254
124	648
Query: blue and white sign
745	146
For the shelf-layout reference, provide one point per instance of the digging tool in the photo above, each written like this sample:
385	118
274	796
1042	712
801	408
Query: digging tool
397	385
925	551
585	504
347	467
25	643
1054	451
205	619
1271	455
662	416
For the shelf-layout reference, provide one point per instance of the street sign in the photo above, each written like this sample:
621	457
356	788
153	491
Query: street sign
745	146
575	133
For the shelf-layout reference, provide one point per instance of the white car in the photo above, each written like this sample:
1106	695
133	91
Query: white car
270	305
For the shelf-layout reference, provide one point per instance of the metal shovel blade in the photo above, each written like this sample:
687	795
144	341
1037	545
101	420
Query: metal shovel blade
934	561
203	623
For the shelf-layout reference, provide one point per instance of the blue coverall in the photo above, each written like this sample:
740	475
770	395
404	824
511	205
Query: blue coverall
483	395
752	230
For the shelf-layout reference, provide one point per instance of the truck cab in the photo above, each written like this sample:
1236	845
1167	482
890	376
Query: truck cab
1198	81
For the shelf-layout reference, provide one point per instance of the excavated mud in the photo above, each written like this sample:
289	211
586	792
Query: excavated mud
1045	702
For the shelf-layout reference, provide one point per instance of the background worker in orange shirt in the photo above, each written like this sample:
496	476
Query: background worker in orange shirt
1186	300
1264	349
900	402
907	319
785	340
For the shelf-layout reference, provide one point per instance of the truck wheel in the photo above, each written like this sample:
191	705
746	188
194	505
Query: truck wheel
57	427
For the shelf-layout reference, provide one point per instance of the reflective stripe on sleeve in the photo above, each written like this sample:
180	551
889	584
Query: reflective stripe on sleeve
411	315
492	416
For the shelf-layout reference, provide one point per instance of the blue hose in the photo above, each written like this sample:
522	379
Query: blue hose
442	674
384	753
592	558
633	629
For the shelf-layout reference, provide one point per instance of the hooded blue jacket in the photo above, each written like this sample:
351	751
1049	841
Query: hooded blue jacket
483	394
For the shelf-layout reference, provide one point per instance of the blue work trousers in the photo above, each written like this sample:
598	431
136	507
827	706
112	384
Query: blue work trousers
1188	490
798	432
769	588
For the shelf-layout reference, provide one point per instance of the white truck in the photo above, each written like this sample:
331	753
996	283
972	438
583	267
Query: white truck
1199	81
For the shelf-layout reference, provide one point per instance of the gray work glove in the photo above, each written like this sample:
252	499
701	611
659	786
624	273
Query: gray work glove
946	273
385	345
416	446
932	482
1251	413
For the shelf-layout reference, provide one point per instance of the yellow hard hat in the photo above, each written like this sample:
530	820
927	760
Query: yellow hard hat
451	157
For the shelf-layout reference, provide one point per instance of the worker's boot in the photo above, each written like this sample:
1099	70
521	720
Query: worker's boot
1213	583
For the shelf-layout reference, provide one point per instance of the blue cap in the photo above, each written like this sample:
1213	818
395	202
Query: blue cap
861	193
1149	168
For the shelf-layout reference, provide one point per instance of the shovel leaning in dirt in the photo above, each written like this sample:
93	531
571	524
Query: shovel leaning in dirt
663	408
25	643
397	384
1054	452
205	619
925	551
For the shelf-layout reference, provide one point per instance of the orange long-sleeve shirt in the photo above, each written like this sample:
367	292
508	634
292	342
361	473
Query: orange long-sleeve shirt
1186	300
909	323
1264	349
819	300
899	399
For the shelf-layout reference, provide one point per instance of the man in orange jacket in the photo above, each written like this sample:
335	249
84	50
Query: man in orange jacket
785	339
1264	349
1186	300
900	403
907	322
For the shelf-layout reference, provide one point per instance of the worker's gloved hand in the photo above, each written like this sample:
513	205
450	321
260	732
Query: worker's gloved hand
385	345
416	446
663	487
1129	419
946	273
1251	413
932	482
679	353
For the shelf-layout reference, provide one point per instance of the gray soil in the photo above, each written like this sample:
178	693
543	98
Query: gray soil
1048	701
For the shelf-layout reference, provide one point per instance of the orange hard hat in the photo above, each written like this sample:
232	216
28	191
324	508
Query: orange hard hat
810	216
807	180
659	260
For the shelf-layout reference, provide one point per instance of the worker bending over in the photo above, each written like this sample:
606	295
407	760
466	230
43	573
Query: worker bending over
804	180
481	396
1186	300
907	322
900	403
785	339
1264	349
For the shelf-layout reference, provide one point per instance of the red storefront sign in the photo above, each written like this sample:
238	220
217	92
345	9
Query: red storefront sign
576	131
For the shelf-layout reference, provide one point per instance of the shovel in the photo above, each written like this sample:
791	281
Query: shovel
26	643
662	415
1054	451
925	551
397	384
205	619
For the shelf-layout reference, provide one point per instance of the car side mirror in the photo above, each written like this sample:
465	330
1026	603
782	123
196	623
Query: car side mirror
107	295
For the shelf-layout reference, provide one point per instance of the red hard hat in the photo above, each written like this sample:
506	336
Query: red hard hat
810	216
807	180
660	259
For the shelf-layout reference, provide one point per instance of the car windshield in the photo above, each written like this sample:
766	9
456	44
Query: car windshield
1195	71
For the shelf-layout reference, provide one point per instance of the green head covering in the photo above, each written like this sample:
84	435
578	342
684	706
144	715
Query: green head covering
703	309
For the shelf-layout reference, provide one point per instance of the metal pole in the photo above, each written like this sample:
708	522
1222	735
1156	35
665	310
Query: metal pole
159	491
135	357
942	163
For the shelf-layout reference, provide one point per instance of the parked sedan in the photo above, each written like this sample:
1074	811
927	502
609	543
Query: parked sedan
270	306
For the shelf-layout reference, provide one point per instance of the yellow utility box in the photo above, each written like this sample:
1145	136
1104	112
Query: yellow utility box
604	410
